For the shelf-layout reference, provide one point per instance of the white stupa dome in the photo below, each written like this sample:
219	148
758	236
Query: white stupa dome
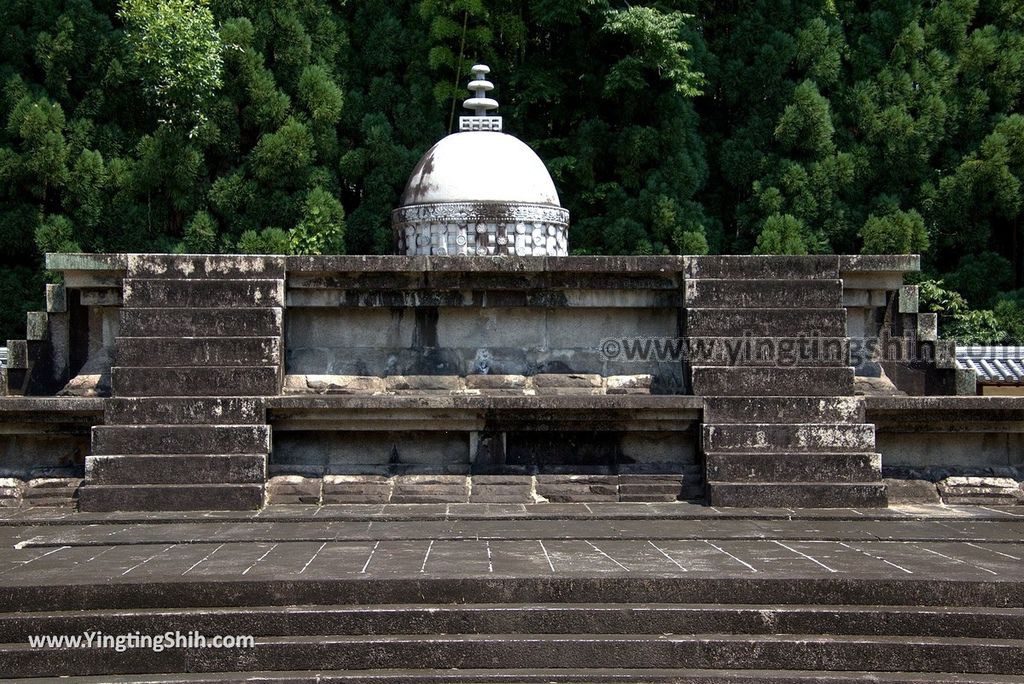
480	166
480	192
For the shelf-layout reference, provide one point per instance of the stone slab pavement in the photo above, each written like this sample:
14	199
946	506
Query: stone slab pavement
952	543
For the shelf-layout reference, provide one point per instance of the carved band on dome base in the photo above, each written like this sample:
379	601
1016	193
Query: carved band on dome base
481	229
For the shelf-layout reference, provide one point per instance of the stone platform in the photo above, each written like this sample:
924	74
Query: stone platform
547	593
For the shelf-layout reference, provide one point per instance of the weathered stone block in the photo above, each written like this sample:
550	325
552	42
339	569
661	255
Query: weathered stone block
501	489
911	491
37	324
628	384
781	438
980	490
11	489
333	384
198	351
342	489
445	383
650	487
430	489
184	411
909	299
496	382
233	266
293	489
797	495
765	322
204	497
710	381
180	439
786	352
189	293
17	353
759	294
928	327
198	322
783	410
763	267
564	380
583	488
176	469
56	299
790	467
51	491
206	381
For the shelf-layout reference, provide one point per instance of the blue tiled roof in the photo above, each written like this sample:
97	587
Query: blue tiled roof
993	364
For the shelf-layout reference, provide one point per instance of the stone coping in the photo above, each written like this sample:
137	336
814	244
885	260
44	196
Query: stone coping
943	403
539	402
676	510
895	404
506	264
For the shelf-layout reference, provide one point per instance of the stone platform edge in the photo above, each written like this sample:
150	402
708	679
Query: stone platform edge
868	263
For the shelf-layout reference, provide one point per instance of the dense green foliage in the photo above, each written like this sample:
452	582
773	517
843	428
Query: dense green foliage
679	126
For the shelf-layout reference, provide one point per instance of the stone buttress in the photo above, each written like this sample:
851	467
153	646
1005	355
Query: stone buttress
200	346
770	356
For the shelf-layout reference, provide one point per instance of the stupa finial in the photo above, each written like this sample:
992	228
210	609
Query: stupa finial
480	103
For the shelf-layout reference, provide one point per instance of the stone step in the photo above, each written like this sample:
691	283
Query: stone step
198	322
111	440
184	411
781	352
760	294
176	469
766	267
430	489
187	293
781	322
793	467
169	497
719	381
781	438
525	618
177	266
199	381
797	495
199	351
196	591
499	651
562	676
719	410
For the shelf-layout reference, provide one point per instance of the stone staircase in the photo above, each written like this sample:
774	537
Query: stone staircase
770	357
200	344
584	629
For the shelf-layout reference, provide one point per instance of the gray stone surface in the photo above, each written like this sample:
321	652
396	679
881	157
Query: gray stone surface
293	489
356	489
430	489
755	294
181	439
765	322
198	351
184	411
776	438
711	381
906	491
199	322
171	497
718	410
177	469
205	381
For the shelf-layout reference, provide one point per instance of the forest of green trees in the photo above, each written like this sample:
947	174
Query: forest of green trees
679	126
